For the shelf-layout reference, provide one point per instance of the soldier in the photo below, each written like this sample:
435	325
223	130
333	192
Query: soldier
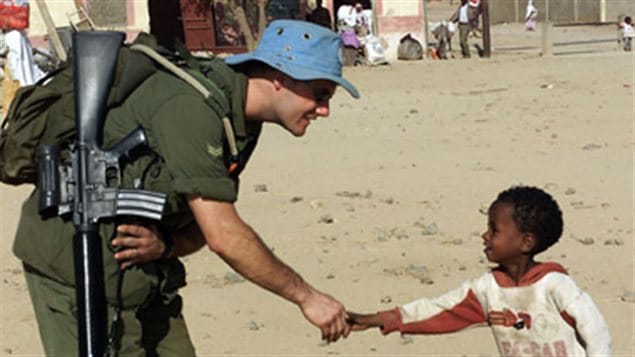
189	158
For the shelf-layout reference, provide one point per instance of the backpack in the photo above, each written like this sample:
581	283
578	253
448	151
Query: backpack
44	113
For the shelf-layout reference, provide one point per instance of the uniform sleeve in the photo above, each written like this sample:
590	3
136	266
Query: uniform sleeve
578	308
190	139
453	311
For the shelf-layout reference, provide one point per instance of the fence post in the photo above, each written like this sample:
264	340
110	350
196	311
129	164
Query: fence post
487	44
602	10
426	41
547	40
576	11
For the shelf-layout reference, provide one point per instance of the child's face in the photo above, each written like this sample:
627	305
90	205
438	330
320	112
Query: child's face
502	240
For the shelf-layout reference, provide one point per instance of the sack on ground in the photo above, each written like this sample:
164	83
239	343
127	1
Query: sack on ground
409	49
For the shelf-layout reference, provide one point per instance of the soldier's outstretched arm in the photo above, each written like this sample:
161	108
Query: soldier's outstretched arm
238	244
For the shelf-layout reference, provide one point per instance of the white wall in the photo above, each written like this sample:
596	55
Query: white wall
60	10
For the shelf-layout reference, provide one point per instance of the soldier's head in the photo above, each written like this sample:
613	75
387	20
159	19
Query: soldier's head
302	63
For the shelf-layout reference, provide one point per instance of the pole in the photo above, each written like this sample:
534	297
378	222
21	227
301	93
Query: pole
51	31
425	27
375	27
547	42
487	46
603	10
575	11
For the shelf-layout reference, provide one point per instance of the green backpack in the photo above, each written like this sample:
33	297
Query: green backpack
44	113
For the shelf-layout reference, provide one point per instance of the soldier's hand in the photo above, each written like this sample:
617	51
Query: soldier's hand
327	314
137	244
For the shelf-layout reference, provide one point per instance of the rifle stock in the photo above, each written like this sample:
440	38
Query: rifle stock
93	72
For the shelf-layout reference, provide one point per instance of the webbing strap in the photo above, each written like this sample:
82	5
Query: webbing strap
179	72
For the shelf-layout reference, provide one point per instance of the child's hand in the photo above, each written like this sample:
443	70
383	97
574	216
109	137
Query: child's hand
361	322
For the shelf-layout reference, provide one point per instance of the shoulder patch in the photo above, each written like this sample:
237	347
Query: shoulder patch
215	151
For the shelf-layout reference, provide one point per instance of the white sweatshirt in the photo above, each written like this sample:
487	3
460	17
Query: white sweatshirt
544	313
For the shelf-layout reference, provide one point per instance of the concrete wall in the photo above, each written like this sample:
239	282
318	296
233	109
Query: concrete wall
616	8
121	15
111	13
562	11
504	11
588	11
395	19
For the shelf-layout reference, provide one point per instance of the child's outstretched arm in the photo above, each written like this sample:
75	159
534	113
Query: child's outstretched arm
360	322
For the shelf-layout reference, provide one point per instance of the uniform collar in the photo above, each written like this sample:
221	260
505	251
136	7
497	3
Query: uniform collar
242	129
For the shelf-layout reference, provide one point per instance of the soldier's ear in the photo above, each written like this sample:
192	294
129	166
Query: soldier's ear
279	80
528	242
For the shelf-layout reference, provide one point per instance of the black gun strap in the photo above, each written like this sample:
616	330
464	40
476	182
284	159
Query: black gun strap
114	336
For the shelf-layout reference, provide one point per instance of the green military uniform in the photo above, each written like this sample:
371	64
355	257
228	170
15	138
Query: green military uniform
186	154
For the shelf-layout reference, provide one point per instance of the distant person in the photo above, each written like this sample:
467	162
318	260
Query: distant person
628	33
320	16
362	21
533	308
531	16
346	19
443	32
467	16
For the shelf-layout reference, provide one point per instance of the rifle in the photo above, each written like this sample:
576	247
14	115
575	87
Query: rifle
83	183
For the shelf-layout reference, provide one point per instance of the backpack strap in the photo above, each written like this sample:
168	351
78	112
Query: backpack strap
186	55
191	80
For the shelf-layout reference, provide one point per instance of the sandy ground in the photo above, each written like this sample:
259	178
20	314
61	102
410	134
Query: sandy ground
382	202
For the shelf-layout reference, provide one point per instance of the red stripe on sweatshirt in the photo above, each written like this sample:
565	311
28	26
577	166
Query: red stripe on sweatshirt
466	313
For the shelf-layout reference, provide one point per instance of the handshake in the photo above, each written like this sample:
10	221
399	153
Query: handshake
361	322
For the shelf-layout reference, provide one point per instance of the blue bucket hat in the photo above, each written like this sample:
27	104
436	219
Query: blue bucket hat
302	50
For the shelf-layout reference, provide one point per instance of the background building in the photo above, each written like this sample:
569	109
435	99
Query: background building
211	25
562	11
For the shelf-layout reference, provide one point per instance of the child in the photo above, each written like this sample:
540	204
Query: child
627	33
532	308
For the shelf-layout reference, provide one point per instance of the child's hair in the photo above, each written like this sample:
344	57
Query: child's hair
628	20
535	212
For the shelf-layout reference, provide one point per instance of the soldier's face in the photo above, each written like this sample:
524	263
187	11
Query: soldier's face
306	101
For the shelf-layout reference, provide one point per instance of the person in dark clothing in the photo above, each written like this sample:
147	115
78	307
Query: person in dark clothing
467	16
320	16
